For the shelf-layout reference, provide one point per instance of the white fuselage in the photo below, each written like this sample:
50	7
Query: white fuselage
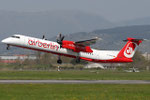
54	47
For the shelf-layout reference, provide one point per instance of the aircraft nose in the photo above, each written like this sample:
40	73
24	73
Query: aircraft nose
4	40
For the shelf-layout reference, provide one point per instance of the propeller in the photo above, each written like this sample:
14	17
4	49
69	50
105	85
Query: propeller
59	39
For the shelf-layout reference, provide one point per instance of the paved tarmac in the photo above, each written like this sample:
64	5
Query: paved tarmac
75	81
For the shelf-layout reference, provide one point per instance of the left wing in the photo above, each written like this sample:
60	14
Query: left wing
87	42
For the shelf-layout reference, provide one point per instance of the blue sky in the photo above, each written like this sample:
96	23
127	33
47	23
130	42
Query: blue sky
113	10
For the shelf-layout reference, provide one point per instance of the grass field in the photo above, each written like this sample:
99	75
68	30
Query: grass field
74	92
75	74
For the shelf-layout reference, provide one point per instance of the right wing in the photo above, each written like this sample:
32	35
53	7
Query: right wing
87	42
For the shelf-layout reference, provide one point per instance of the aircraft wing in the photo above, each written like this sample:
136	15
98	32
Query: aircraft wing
87	42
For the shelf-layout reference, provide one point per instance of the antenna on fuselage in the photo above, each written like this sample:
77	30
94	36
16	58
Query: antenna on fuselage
43	37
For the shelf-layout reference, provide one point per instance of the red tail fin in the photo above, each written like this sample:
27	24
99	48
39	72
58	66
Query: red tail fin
129	49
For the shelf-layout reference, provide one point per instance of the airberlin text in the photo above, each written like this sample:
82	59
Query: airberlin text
43	45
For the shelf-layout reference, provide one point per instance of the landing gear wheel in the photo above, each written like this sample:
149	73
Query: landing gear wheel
59	61
77	60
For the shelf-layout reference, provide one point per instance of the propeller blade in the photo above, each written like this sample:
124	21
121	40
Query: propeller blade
59	35
59	39
62	38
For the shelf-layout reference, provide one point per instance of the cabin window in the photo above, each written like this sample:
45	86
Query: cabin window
15	37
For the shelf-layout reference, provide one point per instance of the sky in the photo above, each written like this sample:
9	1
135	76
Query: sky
113	10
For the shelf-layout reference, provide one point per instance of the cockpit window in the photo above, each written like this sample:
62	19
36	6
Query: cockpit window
15	37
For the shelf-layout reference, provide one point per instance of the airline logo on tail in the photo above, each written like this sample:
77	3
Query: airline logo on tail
130	50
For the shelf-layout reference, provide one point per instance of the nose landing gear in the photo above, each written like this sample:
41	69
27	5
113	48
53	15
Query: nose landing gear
8	47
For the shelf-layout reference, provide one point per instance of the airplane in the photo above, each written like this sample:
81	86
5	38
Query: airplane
78	50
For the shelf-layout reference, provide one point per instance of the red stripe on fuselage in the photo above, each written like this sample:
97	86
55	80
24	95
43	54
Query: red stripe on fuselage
116	60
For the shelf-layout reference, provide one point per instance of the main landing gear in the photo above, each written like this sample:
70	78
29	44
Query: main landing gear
59	61
77	59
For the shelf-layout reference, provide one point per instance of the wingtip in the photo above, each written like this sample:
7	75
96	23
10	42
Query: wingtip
145	40
98	38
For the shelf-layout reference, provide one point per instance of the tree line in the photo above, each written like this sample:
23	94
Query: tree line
46	61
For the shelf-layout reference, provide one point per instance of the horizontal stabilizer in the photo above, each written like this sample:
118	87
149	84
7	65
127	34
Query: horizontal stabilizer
134	40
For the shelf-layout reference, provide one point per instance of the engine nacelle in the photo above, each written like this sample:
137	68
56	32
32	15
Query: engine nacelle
76	48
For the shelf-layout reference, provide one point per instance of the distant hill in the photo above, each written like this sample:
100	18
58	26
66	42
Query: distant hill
138	21
49	23
111	38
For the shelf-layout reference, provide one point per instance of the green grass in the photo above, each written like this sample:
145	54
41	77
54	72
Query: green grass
74	74
74	92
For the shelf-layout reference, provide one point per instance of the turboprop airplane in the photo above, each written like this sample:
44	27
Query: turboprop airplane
78	50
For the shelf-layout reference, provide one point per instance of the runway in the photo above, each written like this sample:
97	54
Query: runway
74	81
